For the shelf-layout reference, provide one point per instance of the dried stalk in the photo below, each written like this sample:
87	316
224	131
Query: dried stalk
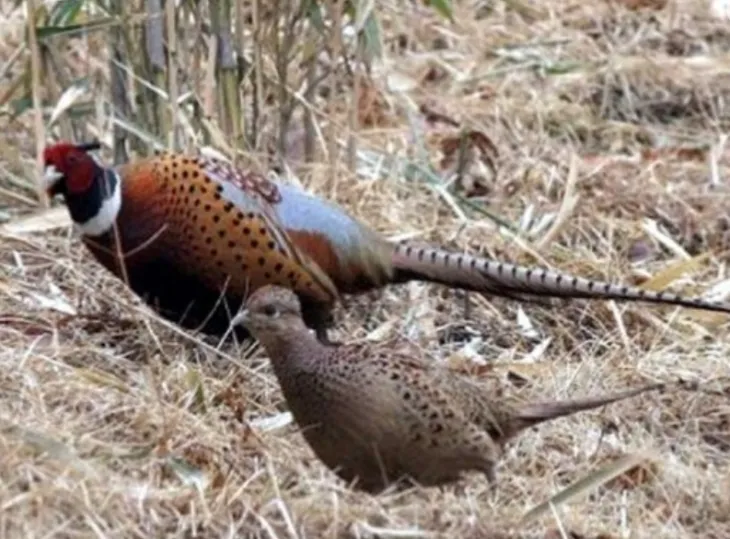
229	102
119	95
39	128
200	74
240	46
353	116
155	63
285	54
55	82
310	93
35	68
258	73
175	135
335	8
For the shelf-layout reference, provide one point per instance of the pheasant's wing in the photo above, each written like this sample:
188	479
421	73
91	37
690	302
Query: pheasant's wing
433	432
263	193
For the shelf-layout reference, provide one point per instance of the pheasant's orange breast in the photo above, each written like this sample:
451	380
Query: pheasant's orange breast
219	225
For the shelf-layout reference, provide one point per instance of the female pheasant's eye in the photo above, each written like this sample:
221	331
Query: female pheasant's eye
271	311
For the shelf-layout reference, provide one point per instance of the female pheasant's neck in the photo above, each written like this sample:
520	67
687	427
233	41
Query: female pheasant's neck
281	347
95	211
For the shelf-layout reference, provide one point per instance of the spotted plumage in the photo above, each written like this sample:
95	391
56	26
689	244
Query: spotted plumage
196	235
376	414
216	233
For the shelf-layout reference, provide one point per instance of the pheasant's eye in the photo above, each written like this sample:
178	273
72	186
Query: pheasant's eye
271	311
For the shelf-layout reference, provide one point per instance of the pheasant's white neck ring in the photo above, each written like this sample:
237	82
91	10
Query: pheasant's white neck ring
109	209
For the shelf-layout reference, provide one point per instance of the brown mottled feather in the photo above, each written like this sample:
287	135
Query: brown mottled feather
377	415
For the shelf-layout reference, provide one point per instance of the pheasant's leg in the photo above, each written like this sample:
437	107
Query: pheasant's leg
318	317
322	337
489	473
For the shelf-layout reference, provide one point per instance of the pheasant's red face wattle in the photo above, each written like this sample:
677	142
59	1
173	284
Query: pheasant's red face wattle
68	169
91	192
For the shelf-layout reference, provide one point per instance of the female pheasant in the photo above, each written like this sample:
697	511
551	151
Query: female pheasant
194	236
379	414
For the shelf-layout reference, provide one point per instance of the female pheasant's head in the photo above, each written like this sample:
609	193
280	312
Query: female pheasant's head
92	193
271	313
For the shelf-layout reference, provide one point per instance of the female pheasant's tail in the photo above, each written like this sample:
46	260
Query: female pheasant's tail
528	415
501	279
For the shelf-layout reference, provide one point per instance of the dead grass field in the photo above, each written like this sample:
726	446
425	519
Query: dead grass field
116	425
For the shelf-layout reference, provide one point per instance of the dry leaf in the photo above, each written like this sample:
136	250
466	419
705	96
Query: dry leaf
372	107
434	117
67	100
234	397
641	474
398	82
434	73
643	4
684	154
460	154
664	278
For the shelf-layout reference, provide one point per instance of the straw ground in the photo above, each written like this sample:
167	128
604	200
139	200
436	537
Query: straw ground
610	163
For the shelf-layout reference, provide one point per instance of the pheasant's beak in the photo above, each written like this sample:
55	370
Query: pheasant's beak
240	318
51	177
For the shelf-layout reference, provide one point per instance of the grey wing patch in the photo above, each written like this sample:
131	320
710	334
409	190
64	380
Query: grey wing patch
245	193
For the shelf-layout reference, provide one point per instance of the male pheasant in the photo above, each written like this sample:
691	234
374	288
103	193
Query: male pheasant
379	415
196	235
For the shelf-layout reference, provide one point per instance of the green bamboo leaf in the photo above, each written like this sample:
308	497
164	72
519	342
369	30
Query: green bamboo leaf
195	383
102	379
444	8
45	32
20	106
560	68
188	474
372	38
65	12
314	14
82	110
595	479
363	11
349	10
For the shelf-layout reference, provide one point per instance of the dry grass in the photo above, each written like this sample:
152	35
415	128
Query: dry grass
116	425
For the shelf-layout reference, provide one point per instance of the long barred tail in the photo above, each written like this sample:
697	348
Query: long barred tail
508	280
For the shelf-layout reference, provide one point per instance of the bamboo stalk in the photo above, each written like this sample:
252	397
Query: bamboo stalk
229	103
39	128
155	55
335	8
55	81
258	67
200	74
174	137
353	119
119	95
284	54
310	93
240	46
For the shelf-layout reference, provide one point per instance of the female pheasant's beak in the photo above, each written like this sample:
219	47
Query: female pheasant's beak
52	180
240	318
